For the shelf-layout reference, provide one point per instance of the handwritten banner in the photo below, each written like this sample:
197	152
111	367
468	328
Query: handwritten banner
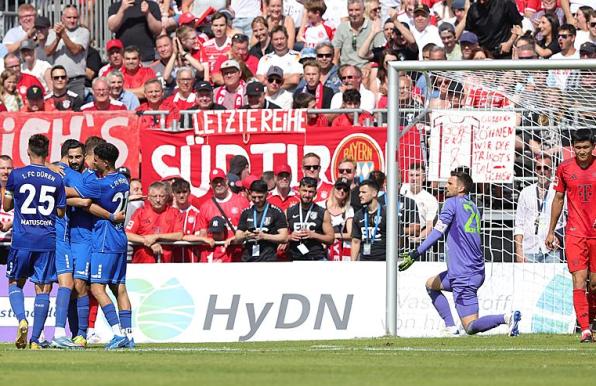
118	128
484	141
234	122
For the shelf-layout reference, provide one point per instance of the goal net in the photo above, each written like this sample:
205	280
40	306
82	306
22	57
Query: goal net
510	129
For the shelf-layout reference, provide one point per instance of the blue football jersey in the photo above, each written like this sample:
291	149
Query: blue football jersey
37	192
111	193
81	222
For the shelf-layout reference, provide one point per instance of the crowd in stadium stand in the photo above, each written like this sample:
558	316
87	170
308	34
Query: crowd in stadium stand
252	54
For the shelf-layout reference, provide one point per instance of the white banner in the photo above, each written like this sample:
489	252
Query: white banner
484	141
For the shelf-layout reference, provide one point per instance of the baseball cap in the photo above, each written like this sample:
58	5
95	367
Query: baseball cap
445	26
203	86
249	180
27	45
422	8
342	183
230	63
124	170
468	37
255	88
458	4
114	43
275	71
217	224
588	48
308	53
283	168
215	174
34	93
42	22
229	15
186	18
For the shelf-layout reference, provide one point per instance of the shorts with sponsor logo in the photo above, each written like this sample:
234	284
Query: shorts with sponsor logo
81	253
64	258
108	268
465	291
39	267
580	253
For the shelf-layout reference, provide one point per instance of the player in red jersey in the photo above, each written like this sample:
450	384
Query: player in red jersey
101	98
231	205
576	178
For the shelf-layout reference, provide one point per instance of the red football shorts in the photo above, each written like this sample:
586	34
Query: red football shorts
581	253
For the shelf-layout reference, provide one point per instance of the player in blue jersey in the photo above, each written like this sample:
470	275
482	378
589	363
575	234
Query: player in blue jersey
38	197
460	222
109	189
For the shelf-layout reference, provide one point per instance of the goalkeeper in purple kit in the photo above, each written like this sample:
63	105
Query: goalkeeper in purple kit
460	222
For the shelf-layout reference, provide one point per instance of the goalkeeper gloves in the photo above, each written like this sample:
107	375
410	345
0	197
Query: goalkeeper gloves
408	259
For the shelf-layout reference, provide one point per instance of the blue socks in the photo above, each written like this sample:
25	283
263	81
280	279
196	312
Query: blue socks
83	315
40	314
73	318
62	305
17	301
126	321
110	313
485	323
442	306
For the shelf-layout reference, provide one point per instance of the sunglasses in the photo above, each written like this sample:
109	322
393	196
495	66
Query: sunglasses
376	9
324	56
59	77
343	189
563	36
347	77
593	24
240	38
311	167
275	80
525	57
342	171
543	168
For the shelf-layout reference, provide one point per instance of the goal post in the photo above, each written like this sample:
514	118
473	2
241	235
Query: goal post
507	78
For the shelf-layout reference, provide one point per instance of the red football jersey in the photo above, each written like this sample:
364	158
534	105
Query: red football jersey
189	227
156	121
232	207
139	78
252	62
114	106
182	103
580	187
25	82
211	52
275	199
145	221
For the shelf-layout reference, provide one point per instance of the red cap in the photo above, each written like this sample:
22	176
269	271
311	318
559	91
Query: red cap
186	18
283	168
215	174
249	180
114	43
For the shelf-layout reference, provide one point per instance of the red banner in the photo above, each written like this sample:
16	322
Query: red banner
118	128
193	157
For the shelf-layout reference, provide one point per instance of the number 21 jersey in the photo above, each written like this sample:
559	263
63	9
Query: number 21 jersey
37	192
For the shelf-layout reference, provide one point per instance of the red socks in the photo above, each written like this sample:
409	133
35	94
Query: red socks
580	303
93	307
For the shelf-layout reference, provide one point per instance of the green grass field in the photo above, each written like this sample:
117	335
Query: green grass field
480	360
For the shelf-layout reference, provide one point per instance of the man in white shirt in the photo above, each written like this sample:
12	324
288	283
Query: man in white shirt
532	217
427	204
282	57
33	66
590	34
423	31
351	78
25	30
563	78
275	92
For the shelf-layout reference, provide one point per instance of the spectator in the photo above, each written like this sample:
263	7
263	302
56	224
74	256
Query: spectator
219	46
34	102
24	31
398	39
307	101
468	43
186	54
549	7
240	167
352	34
115	51
231	94
282	195
275	16
563	78
13	63
452	48
351	78
165	52
205	98
184	98
406	13
379	77
244	12
101	98
118	93
269	178
423	31
458	8
351	100
313	85
152	223
221	251
590	34
492	22
337	12
311	167
341	214
60	98
136	23
329	74
369	235
262	234
67	44
275	93
262	38
310	225
239	52
226	205
42	30
587	51
33	66
11	99
313	29
548	45
294	9
426	203
281	57
153	92
532	217
6	217
134	74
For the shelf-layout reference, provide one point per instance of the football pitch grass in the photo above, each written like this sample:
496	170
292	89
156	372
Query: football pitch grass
479	360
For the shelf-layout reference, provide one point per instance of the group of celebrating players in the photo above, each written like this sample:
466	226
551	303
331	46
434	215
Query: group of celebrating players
68	227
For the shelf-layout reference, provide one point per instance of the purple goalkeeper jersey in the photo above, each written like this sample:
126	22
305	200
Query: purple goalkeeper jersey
460	221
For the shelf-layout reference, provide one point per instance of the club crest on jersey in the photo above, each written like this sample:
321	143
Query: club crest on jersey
66	103
191	220
267	221
313	215
234	210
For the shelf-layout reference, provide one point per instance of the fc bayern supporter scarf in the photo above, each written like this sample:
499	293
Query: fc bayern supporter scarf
318	94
